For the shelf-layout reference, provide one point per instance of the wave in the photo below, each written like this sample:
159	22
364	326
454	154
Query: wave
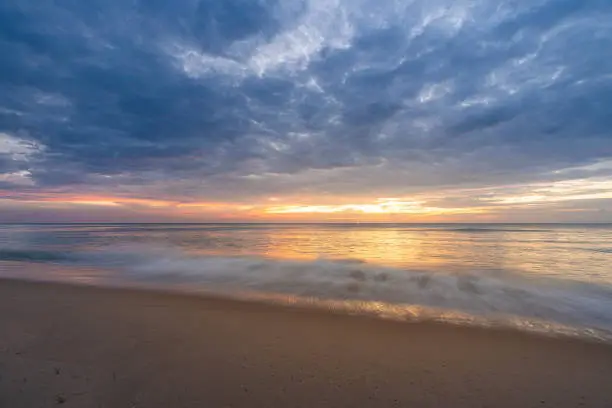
491	229
600	250
29	255
503	297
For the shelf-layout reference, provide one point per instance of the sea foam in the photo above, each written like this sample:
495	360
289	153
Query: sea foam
484	297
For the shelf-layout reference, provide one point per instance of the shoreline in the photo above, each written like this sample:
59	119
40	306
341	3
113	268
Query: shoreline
333	307
102	346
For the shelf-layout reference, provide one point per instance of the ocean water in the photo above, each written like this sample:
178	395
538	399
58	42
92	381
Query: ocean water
549	278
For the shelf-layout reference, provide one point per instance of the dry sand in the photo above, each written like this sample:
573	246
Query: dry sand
90	347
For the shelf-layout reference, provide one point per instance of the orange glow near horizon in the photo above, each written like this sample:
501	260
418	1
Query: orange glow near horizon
451	205
109	201
114	201
381	206
364	210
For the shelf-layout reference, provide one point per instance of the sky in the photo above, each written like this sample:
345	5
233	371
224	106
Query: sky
306	110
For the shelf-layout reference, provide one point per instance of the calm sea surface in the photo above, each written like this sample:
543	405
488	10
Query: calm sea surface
539	277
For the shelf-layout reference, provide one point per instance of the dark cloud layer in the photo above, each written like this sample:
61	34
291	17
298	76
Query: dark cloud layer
239	98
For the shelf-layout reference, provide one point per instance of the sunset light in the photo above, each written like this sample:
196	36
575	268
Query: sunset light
319	112
305	203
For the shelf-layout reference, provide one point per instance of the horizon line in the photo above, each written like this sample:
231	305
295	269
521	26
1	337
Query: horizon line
304	223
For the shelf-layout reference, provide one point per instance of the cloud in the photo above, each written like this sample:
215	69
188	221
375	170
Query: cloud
239	100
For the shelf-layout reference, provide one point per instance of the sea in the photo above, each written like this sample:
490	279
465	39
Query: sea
553	279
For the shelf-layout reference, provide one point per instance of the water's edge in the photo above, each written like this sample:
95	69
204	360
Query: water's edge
553	279
397	313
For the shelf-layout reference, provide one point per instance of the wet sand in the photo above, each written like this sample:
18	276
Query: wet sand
72	346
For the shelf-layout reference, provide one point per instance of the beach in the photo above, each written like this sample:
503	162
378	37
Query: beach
78	346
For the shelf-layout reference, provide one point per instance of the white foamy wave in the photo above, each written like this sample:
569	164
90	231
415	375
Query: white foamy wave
498	296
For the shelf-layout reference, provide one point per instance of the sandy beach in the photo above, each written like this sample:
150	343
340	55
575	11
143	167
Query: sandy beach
84	347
